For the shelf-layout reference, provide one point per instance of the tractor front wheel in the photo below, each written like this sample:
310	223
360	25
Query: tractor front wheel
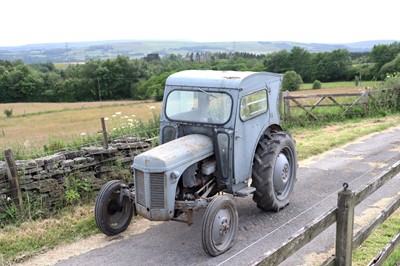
113	210
220	225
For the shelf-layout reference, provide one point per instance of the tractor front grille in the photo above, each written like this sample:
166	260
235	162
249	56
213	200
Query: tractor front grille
157	188
140	188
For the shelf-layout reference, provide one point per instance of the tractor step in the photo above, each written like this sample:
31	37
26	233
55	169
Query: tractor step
245	191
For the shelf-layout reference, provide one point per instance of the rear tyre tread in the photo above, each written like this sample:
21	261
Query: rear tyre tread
263	169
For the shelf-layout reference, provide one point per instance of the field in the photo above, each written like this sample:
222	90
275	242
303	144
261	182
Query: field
33	125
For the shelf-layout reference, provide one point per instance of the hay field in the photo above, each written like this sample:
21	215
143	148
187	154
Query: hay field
34	124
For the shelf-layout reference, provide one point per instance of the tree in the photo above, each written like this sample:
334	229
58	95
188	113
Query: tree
152	58
382	54
331	66
299	60
291	81
277	62
391	67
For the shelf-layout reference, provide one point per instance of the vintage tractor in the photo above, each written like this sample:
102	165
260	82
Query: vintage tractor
220	137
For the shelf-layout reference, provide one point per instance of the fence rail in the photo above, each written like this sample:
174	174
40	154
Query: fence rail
343	215
312	105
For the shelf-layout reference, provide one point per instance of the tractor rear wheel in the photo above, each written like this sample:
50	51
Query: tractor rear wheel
274	171
113	211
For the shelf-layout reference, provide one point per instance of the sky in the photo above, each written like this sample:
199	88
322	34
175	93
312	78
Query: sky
319	21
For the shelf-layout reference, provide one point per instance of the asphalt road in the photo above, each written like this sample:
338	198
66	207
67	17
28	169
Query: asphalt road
319	180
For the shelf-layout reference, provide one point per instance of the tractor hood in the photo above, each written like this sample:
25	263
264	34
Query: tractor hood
187	149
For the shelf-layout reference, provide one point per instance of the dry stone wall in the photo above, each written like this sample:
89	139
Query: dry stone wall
44	180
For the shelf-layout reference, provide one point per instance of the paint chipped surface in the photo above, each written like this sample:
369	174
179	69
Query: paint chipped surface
171	154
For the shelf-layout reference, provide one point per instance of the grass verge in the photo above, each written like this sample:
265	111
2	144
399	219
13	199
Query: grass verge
20	242
378	240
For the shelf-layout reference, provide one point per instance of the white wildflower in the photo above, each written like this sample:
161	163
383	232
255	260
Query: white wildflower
83	134
106	118
130	120
152	107
118	113
133	115
27	144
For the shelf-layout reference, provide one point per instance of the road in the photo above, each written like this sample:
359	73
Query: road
320	178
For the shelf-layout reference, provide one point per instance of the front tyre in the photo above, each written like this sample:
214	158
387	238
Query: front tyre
220	225
274	171
112	212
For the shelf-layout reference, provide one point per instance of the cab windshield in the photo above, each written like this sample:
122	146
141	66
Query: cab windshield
199	106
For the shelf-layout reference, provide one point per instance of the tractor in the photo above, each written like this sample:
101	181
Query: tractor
220	139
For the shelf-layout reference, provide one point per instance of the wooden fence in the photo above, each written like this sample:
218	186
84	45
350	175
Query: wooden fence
343	215
310	105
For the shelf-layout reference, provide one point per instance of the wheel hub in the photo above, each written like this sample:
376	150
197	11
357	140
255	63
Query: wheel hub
281	174
221	226
224	227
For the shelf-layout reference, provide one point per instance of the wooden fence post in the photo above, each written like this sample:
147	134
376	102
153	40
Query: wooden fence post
13	178
366	101
286	106
105	138
344	227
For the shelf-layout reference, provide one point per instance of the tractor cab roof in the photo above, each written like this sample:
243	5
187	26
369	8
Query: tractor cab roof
221	79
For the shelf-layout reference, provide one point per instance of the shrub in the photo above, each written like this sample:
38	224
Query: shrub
316	85
357	79
8	112
291	81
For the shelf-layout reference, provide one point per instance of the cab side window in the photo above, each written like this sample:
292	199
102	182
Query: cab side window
253	105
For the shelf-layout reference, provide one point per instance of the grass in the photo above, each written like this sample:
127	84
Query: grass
20	242
316	139
379	238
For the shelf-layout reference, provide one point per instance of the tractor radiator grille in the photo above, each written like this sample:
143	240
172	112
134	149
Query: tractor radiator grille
139	188
157	185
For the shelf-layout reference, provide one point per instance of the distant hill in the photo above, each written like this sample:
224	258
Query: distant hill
83	51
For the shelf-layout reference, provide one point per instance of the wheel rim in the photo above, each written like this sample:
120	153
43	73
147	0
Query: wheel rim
222	230
283	173
117	215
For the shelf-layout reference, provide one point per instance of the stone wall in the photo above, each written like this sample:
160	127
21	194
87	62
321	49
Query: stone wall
46	179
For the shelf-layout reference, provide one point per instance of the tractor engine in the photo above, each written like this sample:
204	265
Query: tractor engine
194	178
169	171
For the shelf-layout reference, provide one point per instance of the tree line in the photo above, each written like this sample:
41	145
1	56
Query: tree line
124	78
